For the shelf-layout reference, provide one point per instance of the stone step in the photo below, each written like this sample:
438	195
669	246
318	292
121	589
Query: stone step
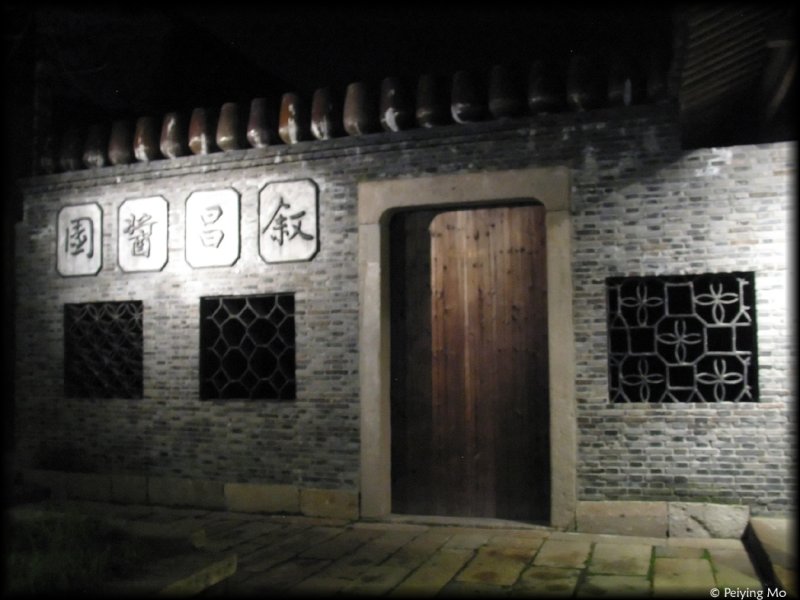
185	574
771	544
182	565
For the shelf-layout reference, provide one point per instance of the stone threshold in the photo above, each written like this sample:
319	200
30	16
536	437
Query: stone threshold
447	521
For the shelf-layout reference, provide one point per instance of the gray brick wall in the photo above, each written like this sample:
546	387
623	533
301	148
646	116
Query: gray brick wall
711	210
641	206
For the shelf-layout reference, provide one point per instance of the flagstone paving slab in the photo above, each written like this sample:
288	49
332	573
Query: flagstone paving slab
318	585
679	552
730	578
547	581
434	574
343	572
283	576
709	543
614	586
556	553
496	566
682	576
377	580
342	544
418	550
618	559
285	545
461	589
608	538
468	540
389	541
516	541
381	526
736	559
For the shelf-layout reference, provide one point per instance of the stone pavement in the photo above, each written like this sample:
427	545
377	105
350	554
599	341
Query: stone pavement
297	555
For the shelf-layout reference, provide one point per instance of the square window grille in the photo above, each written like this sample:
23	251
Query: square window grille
682	338
247	348
103	350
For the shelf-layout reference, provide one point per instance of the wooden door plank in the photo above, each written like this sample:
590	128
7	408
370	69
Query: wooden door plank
447	370
480	293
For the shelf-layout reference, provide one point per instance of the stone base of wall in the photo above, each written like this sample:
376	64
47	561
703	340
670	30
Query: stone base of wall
213	495
648	519
663	519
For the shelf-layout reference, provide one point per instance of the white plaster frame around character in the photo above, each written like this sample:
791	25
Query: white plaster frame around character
288	221
142	232
79	240
212	228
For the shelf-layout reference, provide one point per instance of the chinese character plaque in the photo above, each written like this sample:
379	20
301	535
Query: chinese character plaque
288	221
80	240
142	236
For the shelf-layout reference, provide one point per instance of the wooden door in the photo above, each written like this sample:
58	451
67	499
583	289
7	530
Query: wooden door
470	393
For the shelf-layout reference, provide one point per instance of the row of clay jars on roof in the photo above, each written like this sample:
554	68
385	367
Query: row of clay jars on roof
208	131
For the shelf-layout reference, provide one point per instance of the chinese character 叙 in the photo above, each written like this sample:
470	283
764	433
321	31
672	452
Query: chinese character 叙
280	225
79	234
139	232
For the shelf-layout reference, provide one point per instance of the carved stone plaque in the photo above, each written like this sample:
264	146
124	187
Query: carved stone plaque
142	234
80	240
288	221
212	228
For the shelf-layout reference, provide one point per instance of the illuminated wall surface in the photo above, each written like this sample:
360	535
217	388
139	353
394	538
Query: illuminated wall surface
223	292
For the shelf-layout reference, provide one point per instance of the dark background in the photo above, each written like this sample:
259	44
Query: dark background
125	61
732	69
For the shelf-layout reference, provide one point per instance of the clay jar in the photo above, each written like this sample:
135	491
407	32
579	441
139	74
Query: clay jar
624	85
292	120
546	91
395	110
325	115
70	150
585	89
46	154
359	109
95	147
173	136
120	143
505	97
230	130
261	124
146	139
430	106
201	131
466	103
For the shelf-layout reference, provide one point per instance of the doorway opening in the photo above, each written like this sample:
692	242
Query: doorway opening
378	201
469	365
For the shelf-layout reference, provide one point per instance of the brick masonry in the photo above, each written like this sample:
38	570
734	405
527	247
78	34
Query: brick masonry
641	206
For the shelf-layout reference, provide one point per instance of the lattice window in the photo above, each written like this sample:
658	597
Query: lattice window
103	350
247	347
682	338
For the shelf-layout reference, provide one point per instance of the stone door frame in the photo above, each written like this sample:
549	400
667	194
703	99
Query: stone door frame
377	201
